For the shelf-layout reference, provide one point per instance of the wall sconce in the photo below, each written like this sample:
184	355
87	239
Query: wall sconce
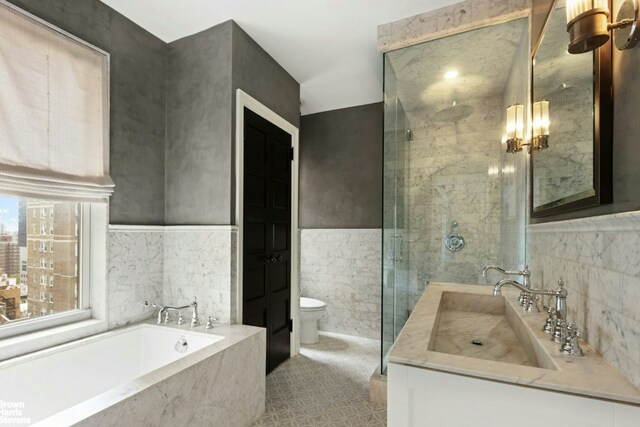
588	25
540	125
515	128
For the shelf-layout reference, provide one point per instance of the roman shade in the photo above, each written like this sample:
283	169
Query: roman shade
54	105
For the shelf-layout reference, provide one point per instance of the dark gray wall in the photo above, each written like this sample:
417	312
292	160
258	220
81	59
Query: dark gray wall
204	72
341	168
259	75
199	128
138	100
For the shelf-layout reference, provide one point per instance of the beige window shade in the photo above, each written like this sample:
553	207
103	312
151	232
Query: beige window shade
54	139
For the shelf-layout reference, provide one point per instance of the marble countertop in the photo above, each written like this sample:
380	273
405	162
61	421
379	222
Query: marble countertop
589	375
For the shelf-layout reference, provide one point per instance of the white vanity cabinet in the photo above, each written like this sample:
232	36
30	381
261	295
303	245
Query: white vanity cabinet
428	398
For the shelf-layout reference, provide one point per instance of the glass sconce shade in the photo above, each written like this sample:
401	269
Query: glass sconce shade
587	24
589	28
515	128
540	125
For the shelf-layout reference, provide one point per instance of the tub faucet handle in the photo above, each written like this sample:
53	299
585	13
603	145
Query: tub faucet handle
210	322
167	318
195	321
180	318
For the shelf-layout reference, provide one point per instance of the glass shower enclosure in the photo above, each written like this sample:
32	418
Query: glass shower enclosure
453	199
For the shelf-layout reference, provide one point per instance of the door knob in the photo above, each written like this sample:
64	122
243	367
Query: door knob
278	258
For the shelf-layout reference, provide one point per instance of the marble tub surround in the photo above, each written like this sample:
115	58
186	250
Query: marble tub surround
587	376
200	261
597	258
448	20
135	272
223	381
341	267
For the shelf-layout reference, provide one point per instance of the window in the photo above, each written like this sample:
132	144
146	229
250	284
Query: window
54	162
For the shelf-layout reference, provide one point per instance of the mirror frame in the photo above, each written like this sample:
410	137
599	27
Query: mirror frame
602	133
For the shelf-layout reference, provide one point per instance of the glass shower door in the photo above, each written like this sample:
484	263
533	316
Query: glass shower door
395	265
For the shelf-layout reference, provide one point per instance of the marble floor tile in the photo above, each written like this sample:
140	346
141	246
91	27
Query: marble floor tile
326	385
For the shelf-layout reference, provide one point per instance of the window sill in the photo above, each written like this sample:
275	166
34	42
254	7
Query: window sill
34	341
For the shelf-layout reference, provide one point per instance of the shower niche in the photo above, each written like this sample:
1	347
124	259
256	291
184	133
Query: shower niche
454	199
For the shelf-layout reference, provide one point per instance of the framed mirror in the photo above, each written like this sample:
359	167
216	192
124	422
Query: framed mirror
572	113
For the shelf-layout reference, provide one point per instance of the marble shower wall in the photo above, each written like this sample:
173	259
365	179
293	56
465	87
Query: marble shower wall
170	265
342	268
597	258
451	178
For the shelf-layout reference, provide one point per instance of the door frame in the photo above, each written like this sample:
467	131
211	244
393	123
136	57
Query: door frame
244	100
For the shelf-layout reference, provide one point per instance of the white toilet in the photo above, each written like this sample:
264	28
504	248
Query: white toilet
310	311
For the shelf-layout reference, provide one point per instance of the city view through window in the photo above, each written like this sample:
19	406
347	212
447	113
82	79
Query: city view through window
39	257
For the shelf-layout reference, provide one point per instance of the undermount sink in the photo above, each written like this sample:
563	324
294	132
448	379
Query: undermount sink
484	327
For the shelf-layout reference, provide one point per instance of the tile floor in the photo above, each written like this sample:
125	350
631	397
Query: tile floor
326	385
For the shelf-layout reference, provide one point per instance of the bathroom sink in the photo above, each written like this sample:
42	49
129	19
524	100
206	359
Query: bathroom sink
483	327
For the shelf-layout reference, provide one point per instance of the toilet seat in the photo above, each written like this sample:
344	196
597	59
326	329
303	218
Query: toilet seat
311	304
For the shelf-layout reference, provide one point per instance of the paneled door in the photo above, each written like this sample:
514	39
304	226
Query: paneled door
267	234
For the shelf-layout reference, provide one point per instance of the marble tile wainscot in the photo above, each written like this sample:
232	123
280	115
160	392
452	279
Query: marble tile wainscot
201	261
598	259
135	272
171	265
342	268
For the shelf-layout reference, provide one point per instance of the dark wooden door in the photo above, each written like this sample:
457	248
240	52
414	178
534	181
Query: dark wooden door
267	234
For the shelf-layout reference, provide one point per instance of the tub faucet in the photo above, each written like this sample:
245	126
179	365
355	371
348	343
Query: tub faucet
165	311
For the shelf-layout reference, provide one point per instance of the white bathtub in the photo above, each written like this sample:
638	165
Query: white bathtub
73	382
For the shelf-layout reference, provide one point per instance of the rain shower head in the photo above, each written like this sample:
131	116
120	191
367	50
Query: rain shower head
454	113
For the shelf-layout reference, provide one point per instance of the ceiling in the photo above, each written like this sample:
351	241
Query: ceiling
482	60
328	46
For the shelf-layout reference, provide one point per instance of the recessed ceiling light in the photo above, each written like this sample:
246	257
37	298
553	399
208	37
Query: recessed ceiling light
451	74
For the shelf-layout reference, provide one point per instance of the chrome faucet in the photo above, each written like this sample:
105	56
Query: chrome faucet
524	297
163	314
560	294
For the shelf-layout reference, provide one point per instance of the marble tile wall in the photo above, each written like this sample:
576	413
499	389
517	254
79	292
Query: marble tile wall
200	261
597	258
135	273
342	268
452	19
171	265
451	179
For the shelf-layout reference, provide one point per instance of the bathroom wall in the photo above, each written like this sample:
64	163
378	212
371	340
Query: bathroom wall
342	268
341	215
205	69
135	271
199	119
201	262
341	168
138	99
451	179
597	258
